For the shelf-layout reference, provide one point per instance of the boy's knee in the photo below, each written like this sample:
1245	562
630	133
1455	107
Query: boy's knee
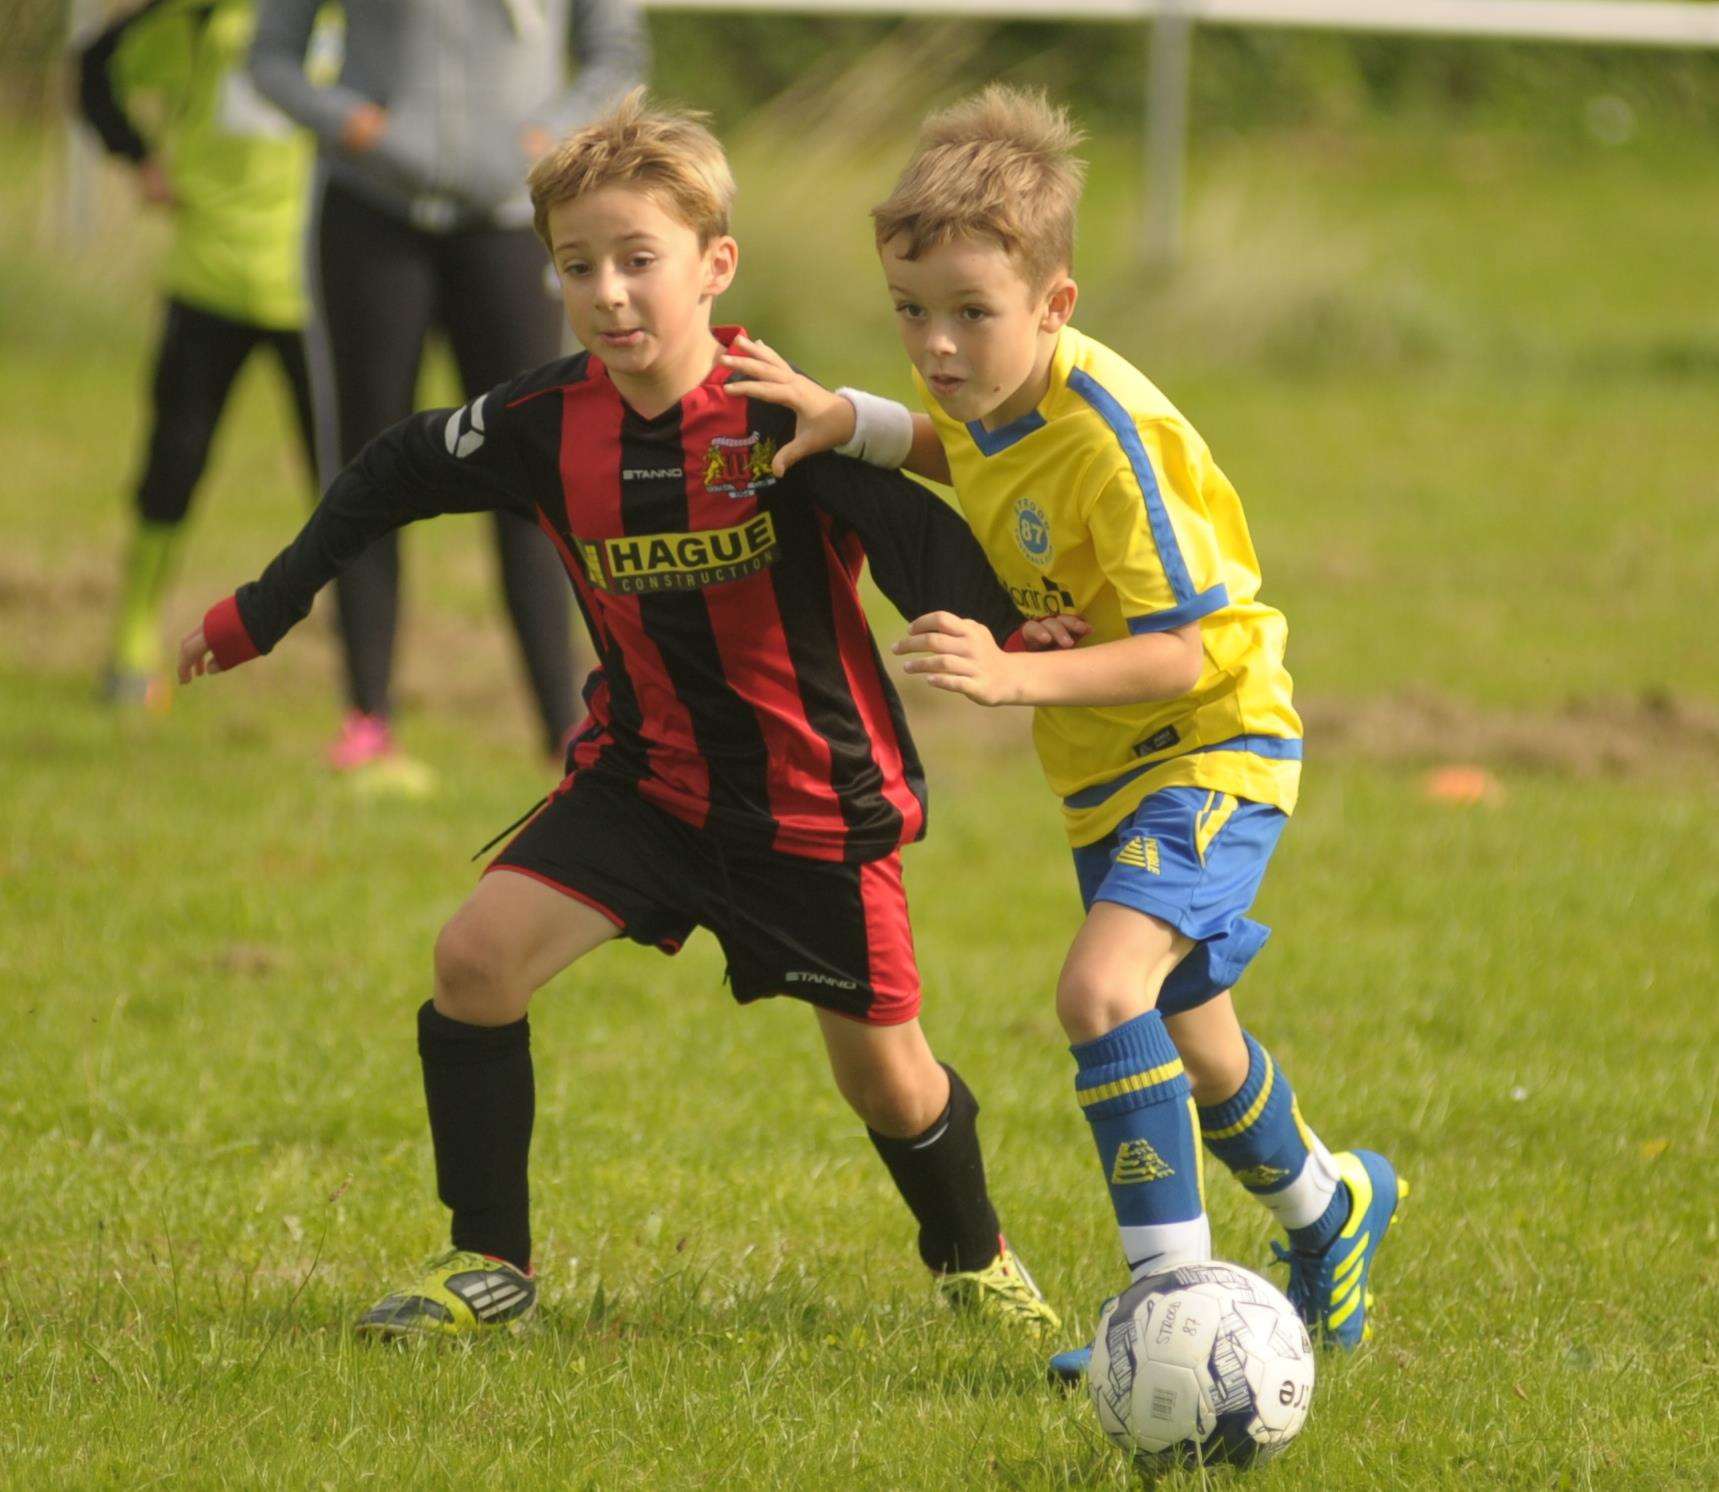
897	1100
475	980
1092	1000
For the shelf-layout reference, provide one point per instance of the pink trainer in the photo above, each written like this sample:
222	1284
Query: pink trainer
363	739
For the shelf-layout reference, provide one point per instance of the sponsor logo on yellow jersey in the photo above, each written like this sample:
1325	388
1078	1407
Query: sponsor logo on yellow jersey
1048	598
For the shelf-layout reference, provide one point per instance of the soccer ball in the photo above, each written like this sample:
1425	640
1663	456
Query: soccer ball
1203	1363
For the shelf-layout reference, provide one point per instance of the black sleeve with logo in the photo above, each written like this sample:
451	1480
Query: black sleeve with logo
437	461
922	554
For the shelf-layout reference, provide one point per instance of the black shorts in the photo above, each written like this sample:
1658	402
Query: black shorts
834	935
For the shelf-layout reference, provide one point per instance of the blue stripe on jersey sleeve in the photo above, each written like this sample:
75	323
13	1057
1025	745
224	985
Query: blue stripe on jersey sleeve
1157	515
1201	605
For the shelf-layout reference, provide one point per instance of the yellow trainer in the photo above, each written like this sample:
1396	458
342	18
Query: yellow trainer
460	1294
1003	1291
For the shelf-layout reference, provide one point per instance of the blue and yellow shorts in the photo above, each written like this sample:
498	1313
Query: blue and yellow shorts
1194	859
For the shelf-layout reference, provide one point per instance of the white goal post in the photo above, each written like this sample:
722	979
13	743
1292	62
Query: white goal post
1644	23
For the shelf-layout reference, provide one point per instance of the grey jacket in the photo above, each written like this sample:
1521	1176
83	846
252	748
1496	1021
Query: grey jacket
461	81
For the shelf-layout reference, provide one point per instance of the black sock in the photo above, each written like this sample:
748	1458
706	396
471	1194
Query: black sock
941	1177
478	1085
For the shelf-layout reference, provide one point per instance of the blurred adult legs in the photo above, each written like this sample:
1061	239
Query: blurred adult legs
501	320
288	348
373	302
197	360
380	287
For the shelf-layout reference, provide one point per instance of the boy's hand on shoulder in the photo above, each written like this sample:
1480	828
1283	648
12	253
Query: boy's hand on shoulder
823	420
196	656
960	655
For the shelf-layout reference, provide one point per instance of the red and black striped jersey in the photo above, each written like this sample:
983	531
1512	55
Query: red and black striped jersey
739	686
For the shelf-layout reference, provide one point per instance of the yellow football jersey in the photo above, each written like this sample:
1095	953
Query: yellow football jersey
1105	501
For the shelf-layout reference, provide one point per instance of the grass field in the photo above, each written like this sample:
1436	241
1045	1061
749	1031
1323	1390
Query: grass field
1466	387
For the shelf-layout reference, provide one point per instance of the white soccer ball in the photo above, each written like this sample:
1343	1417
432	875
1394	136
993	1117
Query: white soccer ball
1205	1363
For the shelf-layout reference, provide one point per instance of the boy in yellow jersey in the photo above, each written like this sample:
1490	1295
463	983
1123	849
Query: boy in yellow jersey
1168	733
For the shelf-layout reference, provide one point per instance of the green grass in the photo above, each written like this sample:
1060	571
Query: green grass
1472	478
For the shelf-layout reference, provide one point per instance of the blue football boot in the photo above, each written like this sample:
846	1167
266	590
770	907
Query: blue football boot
1329	1288
1067	1369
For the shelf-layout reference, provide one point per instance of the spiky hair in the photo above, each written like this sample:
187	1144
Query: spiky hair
668	153
1000	166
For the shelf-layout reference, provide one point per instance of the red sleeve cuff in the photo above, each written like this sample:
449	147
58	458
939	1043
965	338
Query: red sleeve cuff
1016	641
224	631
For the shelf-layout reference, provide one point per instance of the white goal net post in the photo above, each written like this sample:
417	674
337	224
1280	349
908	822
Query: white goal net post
1676	24
1648	23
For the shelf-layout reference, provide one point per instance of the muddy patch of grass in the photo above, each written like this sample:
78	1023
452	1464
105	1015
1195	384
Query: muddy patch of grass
1651	734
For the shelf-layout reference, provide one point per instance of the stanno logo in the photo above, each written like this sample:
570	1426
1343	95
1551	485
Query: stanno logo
808	976
1256	1178
1137	1161
1032	531
464	430
739	464
651	473
636	564
1140	852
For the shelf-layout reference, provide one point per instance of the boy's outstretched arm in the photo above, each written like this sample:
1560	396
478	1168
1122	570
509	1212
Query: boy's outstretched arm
438	461
923	556
1156	548
953	653
826	421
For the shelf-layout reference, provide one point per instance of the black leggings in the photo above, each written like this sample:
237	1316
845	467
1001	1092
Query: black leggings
378	288
196	363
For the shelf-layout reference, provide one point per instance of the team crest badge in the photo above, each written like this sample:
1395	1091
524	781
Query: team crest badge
1032	531
739	465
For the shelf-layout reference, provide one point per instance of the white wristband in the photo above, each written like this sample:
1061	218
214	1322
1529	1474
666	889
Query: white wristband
883	429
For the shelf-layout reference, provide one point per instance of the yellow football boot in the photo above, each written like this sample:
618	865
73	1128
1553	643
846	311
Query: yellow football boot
459	1294
1003	1291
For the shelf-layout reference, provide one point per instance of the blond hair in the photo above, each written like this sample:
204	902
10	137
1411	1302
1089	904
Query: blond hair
666	153
998	166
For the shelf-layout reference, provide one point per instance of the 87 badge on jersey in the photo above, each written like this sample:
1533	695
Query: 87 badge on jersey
738	465
1032	531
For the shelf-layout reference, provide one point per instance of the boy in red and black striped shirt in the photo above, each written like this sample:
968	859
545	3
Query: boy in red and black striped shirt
745	765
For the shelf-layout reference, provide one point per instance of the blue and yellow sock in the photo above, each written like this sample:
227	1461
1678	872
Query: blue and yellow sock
1260	1135
1135	1095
